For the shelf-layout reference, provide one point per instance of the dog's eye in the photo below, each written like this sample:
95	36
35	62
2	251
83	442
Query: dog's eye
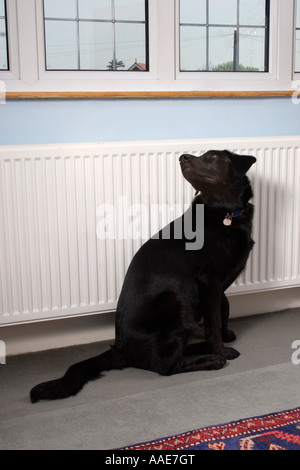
211	156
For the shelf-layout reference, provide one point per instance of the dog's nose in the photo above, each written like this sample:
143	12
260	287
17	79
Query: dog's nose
185	157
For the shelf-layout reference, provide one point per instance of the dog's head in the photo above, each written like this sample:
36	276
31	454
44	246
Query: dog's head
218	174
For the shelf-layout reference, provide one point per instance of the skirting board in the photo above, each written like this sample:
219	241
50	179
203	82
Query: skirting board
39	336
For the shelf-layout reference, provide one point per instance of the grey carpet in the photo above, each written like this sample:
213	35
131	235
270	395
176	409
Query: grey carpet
130	406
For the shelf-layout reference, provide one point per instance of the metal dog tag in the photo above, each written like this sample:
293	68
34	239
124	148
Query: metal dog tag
228	220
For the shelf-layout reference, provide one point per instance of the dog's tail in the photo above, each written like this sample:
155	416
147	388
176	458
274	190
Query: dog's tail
77	376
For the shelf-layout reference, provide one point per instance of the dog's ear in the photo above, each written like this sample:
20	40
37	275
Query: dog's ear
242	163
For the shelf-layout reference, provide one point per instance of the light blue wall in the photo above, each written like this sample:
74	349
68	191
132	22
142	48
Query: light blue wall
59	121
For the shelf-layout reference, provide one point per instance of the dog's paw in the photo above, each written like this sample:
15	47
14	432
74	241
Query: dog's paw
217	362
228	336
46	391
231	353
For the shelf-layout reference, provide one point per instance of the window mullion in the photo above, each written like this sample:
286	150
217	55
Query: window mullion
166	41
27	41
285	41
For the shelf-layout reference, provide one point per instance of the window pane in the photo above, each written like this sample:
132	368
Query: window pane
223	12
131	10
252	12
95	9
221	49
193	11
96	45
192	48
2	8
130	45
232	37
96	35
3	38
3	48
60	9
61	45
252	50
297	58
297	38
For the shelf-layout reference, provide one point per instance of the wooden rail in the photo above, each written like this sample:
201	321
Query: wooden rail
147	94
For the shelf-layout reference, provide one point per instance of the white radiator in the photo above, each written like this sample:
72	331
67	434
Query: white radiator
67	211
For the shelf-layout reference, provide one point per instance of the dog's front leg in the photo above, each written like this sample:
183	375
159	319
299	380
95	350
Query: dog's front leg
227	335
213	322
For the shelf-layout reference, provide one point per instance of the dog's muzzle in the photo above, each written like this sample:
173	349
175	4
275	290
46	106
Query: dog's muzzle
185	158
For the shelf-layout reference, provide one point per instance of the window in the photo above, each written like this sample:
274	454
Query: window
297	38
3	37
218	35
101	35
187	47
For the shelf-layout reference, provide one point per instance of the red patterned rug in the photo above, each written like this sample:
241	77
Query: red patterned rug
278	431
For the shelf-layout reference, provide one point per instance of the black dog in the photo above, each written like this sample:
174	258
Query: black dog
169	286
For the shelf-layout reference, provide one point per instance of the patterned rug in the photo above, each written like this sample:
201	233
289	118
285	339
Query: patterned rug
278	431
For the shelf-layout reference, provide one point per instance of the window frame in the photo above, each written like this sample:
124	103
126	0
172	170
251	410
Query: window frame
278	76
296	74
12	43
28	75
106	78
6	37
